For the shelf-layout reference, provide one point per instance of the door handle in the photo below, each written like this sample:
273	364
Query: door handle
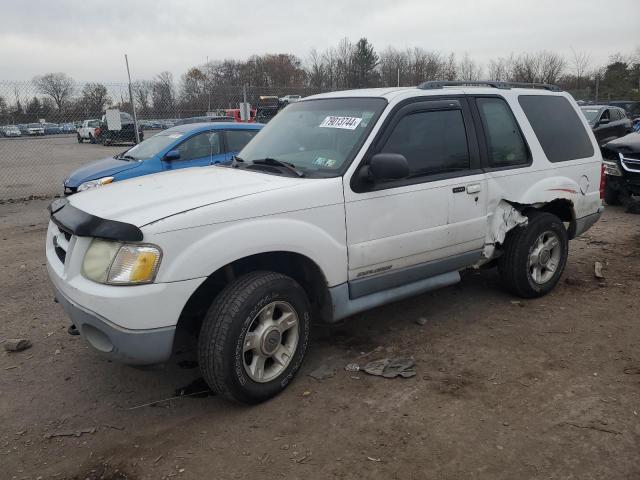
474	188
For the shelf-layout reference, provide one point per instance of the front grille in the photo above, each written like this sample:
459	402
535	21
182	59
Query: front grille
630	164
61	241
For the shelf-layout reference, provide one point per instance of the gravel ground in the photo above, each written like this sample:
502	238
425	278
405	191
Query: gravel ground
39	165
505	388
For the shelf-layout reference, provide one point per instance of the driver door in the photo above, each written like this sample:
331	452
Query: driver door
433	222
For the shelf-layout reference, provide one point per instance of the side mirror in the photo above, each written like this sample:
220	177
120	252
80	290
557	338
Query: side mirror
603	121
388	166
172	155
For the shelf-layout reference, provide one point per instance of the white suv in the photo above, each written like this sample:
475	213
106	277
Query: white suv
343	202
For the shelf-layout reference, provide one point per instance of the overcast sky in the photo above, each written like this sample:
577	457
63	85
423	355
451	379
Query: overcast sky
87	40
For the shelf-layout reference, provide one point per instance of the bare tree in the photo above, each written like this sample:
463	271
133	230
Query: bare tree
580	62
316	70
468	69
551	65
142	95
95	98
163	94
58	86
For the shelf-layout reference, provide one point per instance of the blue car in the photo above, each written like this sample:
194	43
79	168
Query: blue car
193	145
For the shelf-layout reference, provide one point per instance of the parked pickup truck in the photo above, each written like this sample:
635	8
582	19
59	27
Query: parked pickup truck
343	202
88	131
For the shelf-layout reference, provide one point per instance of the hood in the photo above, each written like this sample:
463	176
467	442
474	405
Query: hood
628	144
142	200
106	167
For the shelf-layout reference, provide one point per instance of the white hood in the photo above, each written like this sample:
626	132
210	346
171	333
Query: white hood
142	200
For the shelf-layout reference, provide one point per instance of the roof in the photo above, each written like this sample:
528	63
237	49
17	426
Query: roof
204	126
407	92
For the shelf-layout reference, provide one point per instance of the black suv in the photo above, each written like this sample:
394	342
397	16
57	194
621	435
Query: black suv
608	123
622	168
127	134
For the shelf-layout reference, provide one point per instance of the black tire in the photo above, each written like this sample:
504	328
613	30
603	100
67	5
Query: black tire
79	139
514	266
92	139
611	195
222	336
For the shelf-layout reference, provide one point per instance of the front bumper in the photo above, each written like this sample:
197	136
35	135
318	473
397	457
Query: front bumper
133	347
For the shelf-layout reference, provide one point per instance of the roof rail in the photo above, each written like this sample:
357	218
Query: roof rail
437	84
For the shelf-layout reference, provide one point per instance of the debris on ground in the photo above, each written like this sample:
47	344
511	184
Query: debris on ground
197	389
352	367
16	344
391	367
597	270
76	433
421	321
323	372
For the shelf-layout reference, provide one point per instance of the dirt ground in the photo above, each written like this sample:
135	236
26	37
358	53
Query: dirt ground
506	388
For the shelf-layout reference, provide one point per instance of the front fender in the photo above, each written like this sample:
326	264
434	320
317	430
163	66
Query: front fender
198	252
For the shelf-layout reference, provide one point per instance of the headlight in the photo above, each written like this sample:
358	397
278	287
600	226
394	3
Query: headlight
95	183
121	263
611	168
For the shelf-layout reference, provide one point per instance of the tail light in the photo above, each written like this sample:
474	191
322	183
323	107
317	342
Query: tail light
97	131
603	181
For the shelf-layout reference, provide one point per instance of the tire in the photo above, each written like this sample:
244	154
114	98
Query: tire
524	256
92	139
237	328
611	195
79	139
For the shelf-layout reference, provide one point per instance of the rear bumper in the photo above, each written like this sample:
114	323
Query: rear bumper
133	347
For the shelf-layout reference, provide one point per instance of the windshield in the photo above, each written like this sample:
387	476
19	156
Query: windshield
316	136
591	114
152	146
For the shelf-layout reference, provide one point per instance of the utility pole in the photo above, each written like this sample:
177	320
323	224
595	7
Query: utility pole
208	86
133	104
398	77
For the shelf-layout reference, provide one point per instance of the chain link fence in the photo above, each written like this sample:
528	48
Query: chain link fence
42	139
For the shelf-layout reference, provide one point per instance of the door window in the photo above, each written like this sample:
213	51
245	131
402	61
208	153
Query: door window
432	142
505	145
237	139
199	146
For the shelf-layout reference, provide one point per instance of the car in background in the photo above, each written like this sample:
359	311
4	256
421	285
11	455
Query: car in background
10	131
190	145
287	99
632	107
235	114
87	130
126	134
34	129
607	123
203	119
52	129
267	107
622	168
68	128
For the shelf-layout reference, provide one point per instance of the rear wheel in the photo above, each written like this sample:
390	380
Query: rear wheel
254	337
79	139
92	139
534	255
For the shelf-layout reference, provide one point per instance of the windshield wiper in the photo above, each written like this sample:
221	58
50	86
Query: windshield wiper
123	156
277	163
235	160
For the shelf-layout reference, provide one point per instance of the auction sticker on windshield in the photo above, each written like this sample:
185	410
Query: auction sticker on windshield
349	123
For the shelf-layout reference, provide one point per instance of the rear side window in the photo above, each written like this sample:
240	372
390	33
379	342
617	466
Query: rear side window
432	142
557	126
505	145
237	139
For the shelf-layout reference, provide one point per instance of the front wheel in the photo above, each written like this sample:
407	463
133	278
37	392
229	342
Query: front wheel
534	256
79	139
254	337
